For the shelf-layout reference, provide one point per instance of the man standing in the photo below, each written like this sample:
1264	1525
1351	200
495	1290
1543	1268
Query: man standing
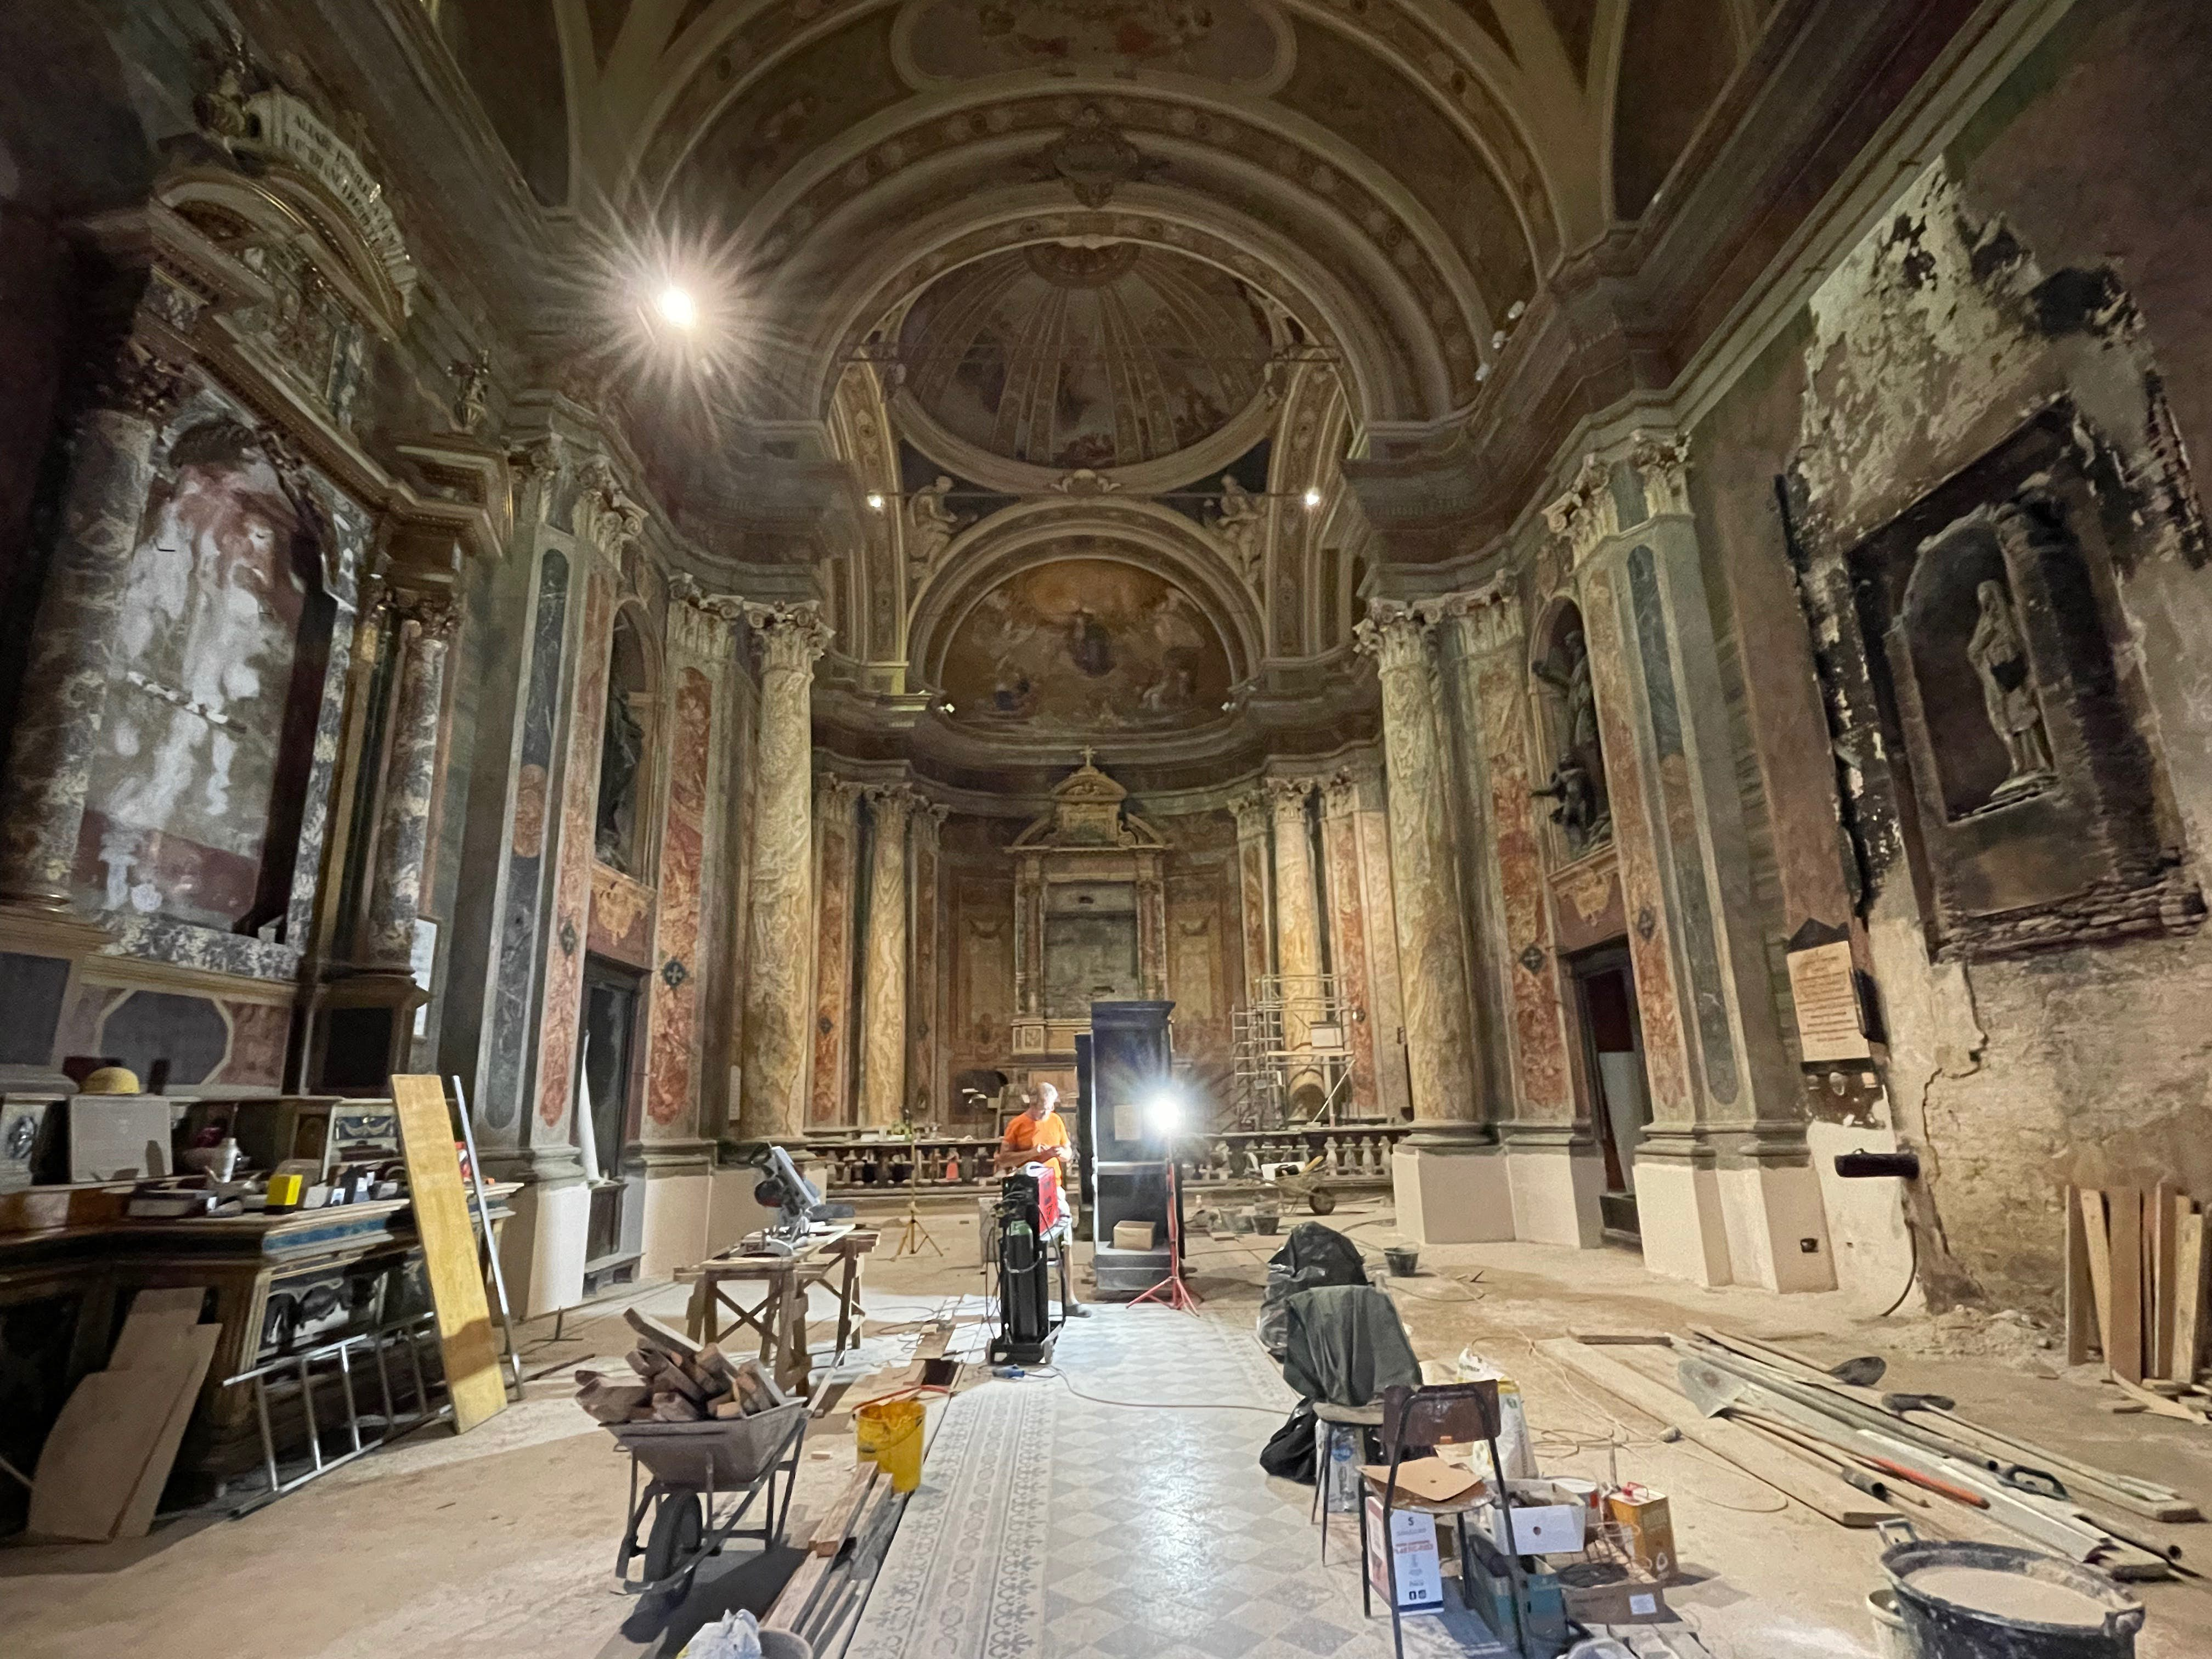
1039	1135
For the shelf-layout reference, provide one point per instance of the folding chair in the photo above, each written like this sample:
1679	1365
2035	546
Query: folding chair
1458	1412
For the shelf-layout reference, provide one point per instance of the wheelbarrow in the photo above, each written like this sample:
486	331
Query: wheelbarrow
1301	1182
699	1482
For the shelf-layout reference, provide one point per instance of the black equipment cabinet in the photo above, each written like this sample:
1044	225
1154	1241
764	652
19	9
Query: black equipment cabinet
1130	1064
1026	1325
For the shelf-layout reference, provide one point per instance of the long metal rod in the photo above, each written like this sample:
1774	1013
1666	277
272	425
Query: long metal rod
491	1245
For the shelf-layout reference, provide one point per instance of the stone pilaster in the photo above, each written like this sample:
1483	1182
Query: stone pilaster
1386	1008
1256	908
1297	937
781	915
926	1001
1724	1185
1552	1154
884	960
423	631
72	648
836	834
1348	929
1446	1177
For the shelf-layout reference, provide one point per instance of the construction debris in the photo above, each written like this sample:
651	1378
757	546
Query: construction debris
680	1382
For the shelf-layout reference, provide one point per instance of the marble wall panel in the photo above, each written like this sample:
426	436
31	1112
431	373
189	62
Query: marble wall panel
1347	936
572	882
835	803
520	927
671	1074
621	918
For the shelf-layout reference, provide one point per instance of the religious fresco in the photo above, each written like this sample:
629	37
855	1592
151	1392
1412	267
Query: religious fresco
208	640
1066	356
1086	645
961	39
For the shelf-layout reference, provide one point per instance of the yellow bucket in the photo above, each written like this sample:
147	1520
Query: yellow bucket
889	1431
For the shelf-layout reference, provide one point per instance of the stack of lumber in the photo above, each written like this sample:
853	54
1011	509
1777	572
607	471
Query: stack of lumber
1861	1456
823	1598
101	1470
676	1380
2135	1293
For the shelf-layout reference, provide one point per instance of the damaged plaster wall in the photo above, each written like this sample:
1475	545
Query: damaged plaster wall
1940	335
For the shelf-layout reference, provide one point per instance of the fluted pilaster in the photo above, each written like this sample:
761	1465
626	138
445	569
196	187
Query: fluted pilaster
884	960
1298	926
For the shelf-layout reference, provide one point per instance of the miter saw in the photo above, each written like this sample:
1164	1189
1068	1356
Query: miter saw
791	1194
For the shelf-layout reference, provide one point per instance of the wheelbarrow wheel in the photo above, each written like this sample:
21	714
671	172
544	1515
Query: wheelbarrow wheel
677	1528
1321	1201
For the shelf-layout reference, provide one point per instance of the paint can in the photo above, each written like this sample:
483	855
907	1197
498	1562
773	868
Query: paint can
1404	1260
889	1431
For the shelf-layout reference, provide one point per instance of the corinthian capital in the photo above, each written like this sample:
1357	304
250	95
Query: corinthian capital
791	635
1250	809
1286	796
1487	618
893	803
1395	635
834	796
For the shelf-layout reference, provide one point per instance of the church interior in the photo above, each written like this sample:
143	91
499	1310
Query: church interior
1507	684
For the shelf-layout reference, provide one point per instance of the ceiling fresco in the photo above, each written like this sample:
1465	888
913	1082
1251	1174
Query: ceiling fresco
1066	356
961	39
1085	644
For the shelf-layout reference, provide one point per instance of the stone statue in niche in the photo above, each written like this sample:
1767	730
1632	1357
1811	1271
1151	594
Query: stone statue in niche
2000	661
1577	780
1239	517
622	752
933	524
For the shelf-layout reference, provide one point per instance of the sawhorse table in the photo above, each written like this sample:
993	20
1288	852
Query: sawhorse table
778	1313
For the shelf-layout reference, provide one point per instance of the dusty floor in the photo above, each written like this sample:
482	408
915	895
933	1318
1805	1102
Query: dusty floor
503	1541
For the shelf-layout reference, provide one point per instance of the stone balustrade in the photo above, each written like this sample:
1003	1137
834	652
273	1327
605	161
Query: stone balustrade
1351	1155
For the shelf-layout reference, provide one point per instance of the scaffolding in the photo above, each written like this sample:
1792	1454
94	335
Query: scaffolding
1293	1038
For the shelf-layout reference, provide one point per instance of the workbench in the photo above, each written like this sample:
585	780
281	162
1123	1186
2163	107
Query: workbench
779	1313
70	1261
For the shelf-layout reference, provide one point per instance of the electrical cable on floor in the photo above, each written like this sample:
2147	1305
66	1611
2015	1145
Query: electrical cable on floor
1912	1273
1057	1375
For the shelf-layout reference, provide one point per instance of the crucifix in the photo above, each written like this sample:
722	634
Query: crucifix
1089	753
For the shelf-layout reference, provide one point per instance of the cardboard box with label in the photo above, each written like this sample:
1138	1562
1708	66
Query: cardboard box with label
1634	1600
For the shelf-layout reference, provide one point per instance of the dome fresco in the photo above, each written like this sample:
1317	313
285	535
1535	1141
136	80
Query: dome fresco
1066	356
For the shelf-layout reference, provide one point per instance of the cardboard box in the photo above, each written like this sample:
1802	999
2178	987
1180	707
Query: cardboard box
1412	1533
1649	1526
1551	1524
1135	1235
1629	1601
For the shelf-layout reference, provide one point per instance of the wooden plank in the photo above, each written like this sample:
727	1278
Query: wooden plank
1621	1339
137	1516
2097	1239
838	1520
473	1381
2080	1296
1739	1444
796	1597
2189	1291
105	1439
2124	1351
2159	1239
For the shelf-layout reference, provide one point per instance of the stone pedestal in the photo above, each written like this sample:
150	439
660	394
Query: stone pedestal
1556	1172
678	1193
542	1250
1678	1209
1777	1228
1452	1191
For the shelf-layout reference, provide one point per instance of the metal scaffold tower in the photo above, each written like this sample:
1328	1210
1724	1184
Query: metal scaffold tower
1293	1054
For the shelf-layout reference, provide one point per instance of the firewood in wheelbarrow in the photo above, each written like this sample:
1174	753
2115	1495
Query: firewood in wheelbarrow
672	1408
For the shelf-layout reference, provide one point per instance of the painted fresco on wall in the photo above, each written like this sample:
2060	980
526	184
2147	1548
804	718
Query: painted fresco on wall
960	39
1066	356
199	712
1086	645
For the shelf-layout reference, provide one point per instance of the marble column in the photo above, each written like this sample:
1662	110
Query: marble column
1298	938
1385	1005
411	782
883	961
71	655
836	828
1449	1184
1255	907
1550	1150
779	920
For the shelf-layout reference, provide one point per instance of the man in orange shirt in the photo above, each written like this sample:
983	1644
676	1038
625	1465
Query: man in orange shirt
1040	1136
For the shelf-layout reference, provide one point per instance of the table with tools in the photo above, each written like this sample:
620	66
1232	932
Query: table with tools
774	1307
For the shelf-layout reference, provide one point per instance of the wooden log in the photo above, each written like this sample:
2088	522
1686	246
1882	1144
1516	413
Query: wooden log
1738	1444
2096	1239
667	1338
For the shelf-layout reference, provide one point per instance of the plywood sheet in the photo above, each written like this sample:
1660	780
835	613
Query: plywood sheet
197	1348
104	1443
449	1252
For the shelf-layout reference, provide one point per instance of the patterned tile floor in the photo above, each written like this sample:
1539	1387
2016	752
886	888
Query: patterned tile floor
1051	1526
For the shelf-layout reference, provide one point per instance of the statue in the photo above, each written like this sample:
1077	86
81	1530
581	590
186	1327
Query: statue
933	524
622	752
1573	686
1239	517
472	381
2000	659
1580	814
